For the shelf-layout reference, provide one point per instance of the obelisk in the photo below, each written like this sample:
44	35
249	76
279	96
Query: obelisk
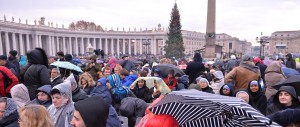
210	37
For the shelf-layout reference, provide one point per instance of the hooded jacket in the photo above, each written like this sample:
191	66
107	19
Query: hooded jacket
62	115
273	75
230	85
4	84
94	111
290	63
56	80
218	81
20	95
276	106
128	80
11	115
77	93
23	61
37	73
259	99
193	68
142	93
208	89
182	82
45	89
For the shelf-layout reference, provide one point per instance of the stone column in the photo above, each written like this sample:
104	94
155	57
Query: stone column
36	38
82	46
1	47
141	46
112	46
129	46
27	43
124	46
21	44
49	45
154	46
57	43
13	35
76	46
94	43
100	44
118	47
64	45
106	46
40	41
70	46
7	47
135	49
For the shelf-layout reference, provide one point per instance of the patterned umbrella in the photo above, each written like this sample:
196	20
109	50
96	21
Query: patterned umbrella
195	108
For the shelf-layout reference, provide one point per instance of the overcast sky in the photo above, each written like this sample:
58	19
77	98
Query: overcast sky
244	19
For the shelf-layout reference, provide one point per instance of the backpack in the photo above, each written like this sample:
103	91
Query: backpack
119	91
7	80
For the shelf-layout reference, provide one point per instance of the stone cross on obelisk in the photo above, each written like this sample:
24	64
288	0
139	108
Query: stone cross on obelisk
210	37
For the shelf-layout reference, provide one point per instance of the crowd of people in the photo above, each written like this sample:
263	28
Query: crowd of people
35	93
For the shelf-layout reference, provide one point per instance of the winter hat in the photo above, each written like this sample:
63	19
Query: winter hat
3	57
162	120
20	95
13	53
97	112
257	60
247	57
68	57
254	82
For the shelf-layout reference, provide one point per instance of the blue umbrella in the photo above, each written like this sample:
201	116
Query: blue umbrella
289	71
66	65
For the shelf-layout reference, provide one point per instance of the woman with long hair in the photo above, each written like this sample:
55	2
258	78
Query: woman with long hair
35	116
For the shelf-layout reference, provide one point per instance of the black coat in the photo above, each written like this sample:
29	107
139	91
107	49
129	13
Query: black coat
36	76
78	94
10	121
262	68
15	62
88	90
142	93
194	68
208	90
56	81
259	100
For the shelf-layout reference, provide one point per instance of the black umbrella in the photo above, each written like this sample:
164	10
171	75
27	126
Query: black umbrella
196	108
292	80
165	69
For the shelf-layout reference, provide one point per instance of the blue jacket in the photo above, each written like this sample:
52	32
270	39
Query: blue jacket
128	80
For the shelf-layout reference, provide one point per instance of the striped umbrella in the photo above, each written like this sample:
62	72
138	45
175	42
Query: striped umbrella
195	108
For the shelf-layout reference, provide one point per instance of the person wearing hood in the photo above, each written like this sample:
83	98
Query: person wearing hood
77	93
43	96
287	118
205	86
23	61
102	91
93	67
91	112
112	63
290	62
182	82
285	98
243	74
62	107
55	77
218	80
227	90
20	95
36	73
157	73
258	98
86	82
9	114
195	67
273	75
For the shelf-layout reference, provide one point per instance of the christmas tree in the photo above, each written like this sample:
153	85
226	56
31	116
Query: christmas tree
174	44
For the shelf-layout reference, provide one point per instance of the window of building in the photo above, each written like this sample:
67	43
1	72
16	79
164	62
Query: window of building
230	45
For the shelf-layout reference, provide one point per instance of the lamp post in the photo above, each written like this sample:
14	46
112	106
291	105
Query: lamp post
262	40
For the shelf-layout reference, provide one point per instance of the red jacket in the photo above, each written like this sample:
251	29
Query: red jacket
171	82
14	80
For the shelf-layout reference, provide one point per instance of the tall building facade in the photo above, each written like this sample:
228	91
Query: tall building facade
283	42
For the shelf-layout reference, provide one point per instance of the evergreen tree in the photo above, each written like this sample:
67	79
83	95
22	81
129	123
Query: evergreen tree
174	44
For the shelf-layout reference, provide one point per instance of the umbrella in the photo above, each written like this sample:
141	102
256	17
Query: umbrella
289	71
66	65
163	88
165	69
196	108
292	80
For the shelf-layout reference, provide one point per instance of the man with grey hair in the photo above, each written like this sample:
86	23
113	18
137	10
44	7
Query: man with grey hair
55	77
244	73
